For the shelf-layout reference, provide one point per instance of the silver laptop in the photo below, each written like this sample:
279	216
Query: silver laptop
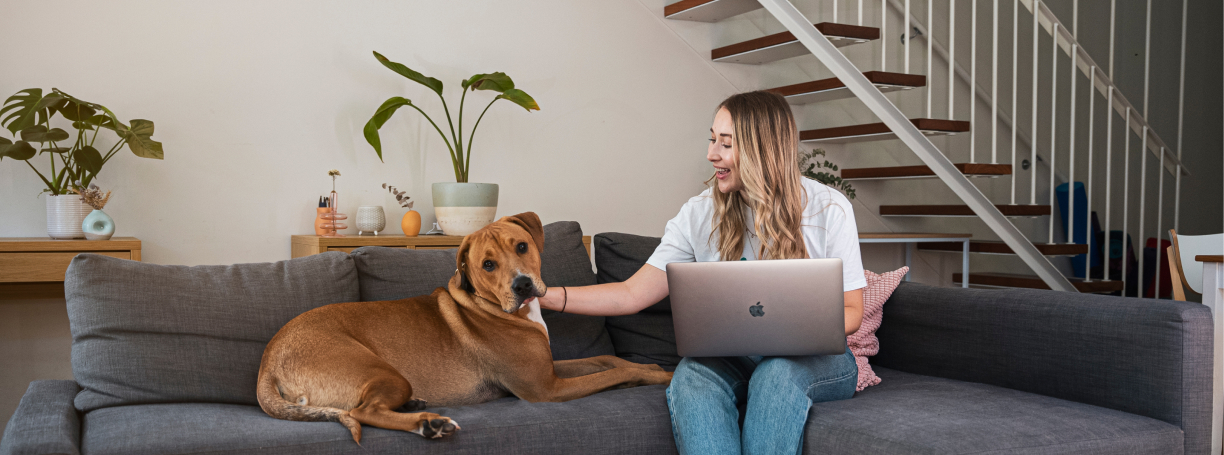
768	308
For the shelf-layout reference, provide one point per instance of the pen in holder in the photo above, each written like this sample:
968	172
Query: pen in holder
332	218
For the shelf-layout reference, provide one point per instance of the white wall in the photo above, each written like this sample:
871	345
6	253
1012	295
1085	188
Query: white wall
255	101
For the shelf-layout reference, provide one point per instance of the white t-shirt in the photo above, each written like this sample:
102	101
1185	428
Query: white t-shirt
828	226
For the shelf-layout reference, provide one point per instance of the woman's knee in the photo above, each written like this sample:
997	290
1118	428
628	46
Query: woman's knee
821	378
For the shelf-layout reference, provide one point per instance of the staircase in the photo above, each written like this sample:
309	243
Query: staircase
833	41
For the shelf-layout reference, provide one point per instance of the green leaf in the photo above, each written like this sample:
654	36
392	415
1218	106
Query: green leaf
74	111
83	126
468	82
40	133
433	84
99	120
498	82
28	108
380	117
89	158
106	112
520	98
19	150
53	149
139	139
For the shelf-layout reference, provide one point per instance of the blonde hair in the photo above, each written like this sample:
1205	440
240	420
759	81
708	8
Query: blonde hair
768	145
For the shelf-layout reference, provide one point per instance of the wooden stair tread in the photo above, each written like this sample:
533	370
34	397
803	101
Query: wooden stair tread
1012	280
998	247
901	172
833	88
783	45
902	235
960	210
880	131
708	10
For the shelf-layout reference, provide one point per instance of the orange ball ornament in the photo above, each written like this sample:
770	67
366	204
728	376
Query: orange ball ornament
411	223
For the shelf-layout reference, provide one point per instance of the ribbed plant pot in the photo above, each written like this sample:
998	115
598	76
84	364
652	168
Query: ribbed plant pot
464	208
65	213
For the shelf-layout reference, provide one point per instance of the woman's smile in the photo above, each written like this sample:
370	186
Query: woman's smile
722	152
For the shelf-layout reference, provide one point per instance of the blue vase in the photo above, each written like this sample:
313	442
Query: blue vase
98	226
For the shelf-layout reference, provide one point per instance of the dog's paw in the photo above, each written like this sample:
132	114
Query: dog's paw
437	427
414	405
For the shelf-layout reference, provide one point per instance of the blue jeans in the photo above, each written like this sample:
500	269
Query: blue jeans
710	398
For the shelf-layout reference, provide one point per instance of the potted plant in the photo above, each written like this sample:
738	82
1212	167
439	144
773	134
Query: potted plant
810	170
460	207
28	114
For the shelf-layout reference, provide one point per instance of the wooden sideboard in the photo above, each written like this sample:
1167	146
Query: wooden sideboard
33	267
306	245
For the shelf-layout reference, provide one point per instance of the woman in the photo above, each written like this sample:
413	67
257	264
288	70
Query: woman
758	207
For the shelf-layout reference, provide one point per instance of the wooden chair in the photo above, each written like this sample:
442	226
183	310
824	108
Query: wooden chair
1188	274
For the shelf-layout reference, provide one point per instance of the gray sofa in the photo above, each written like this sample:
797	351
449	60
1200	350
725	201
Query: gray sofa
165	360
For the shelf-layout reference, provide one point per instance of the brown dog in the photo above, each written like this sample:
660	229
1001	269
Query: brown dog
479	339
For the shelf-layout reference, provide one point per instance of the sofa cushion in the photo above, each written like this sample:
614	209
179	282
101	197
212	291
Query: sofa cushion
618	256
863	342
145	333
915	414
1147	357
390	273
648	336
631	420
396	273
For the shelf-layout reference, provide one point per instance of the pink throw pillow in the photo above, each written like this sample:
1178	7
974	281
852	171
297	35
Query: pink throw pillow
864	343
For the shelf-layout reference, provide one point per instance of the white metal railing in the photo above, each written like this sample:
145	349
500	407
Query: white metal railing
891	116
1064	41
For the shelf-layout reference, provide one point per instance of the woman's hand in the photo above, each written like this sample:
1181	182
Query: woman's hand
643	289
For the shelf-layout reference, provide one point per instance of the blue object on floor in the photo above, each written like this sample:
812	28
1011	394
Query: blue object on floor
1081	219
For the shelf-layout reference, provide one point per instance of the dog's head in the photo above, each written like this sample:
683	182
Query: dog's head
501	262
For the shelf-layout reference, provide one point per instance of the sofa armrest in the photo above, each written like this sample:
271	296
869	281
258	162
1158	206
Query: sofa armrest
46	422
1147	357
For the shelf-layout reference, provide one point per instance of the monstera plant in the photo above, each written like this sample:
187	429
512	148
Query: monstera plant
74	163
461	207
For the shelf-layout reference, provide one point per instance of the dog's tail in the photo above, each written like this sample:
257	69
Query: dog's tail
275	405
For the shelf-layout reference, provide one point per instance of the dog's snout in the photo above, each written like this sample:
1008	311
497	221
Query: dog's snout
522	286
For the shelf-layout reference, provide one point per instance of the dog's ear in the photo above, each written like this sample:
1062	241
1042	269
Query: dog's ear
530	222
461	267
464	284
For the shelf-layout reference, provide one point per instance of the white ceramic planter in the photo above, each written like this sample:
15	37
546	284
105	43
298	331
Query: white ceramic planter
370	219
464	208
65	213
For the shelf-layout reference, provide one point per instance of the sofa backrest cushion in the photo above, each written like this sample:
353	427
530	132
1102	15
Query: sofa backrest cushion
646	337
145	333
390	273
397	273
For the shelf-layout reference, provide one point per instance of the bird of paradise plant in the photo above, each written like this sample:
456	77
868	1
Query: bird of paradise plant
461	159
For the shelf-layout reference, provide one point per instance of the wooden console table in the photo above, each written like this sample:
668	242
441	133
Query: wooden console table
306	245
33	267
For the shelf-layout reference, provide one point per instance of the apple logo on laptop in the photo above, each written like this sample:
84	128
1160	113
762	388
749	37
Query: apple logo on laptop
757	310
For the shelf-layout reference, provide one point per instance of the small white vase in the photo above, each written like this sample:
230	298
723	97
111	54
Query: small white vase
65	213
371	219
98	226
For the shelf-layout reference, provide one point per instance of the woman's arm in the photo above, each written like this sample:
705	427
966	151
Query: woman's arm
854	310
643	289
